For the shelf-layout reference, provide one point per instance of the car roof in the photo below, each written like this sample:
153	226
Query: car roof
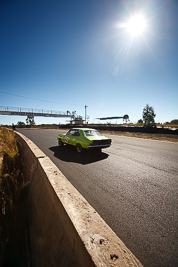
83	129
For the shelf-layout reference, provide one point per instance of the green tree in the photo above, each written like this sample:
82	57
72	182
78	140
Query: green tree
30	120
174	122
140	121
20	124
126	118
148	115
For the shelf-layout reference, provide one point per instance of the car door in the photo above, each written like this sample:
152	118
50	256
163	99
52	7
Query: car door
75	137
68	137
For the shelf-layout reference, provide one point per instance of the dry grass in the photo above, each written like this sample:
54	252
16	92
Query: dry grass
1	154
10	166
145	136
153	137
9	145
12	203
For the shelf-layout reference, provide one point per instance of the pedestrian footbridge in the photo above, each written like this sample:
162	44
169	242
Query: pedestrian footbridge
34	112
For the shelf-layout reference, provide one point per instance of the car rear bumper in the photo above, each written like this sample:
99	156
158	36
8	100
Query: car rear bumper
99	146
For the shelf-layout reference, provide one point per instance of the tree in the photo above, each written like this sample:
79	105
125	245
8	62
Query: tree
30	120
126	117
140	121
20	124
174	122
148	115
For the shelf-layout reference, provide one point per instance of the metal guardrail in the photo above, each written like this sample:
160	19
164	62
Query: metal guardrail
34	112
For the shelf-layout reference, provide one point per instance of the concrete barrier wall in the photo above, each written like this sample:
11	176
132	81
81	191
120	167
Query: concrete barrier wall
64	230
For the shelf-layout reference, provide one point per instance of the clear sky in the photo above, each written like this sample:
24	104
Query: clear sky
63	55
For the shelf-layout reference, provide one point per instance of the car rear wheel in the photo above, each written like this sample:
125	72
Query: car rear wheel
79	148
60	143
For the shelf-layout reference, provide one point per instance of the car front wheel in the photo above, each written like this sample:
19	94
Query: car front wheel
79	148
60	143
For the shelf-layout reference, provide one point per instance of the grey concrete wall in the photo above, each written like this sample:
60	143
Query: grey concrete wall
64	230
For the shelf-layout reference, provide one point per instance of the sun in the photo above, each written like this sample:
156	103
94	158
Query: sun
136	25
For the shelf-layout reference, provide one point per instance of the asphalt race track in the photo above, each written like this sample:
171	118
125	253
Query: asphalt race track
133	185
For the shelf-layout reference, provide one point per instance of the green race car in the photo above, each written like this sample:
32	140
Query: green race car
84	138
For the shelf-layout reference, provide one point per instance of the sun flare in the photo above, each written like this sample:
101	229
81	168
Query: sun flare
136	25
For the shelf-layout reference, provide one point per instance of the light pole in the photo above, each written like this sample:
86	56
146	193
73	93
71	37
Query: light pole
86	114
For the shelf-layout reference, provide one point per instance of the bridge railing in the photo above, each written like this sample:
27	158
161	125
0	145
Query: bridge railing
19	110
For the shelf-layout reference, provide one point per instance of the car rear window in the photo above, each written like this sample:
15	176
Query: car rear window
91	133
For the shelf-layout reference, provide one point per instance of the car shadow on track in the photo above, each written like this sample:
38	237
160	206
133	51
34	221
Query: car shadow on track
69	154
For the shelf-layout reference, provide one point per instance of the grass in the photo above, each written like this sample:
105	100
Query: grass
1	153
143	135
153	137
10	171
12	205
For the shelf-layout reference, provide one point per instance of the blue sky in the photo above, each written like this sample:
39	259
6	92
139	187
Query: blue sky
63	55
